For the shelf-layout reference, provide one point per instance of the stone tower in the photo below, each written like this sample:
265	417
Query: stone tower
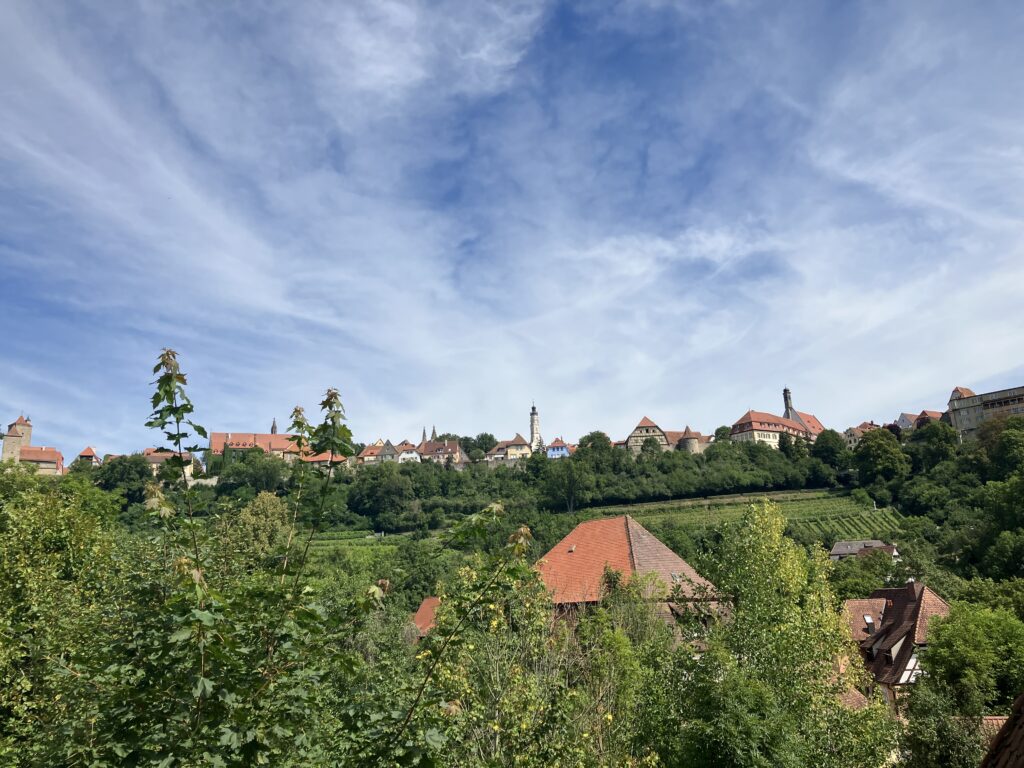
536	441
690	442
787	400
19	434
273	426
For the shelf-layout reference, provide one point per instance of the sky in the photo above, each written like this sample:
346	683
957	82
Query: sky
450	210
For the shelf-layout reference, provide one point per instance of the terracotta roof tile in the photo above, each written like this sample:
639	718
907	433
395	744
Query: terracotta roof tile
425	615
964	391
88	452
1007	750
23	421
270	443
645	422
573	569
41	454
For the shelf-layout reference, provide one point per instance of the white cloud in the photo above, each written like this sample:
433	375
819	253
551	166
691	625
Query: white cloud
440	211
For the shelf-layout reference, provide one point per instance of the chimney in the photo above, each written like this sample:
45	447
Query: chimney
870	622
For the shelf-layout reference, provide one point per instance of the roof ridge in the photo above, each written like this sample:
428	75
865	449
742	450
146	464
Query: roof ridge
626	519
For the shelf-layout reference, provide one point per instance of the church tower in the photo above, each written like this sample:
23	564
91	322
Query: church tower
536	441
273	426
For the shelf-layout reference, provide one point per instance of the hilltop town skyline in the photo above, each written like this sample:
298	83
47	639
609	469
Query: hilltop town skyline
659	209
549	426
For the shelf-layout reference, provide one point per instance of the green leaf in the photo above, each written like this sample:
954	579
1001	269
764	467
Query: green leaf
203	688
181	635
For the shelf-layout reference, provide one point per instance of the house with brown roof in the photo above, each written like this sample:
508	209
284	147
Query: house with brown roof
371	453
18	448
442	452
574	569
559	449
508	451
406	452
1007	748
272	443
890	627
667	439
89	456
853	435
157	457
767	428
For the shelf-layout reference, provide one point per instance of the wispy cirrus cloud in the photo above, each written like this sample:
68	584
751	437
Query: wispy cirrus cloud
448	210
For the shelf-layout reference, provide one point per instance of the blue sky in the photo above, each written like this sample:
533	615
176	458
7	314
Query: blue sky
450	209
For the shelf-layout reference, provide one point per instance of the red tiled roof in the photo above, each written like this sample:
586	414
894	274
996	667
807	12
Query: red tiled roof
812	422
425	615
270	443
768	421
1007	750
906	612
88	452
503	444
41	454
321	457
963	391
370	450
405	445
645	422
573	570
856	610
557	443
674	436
934	415
22	420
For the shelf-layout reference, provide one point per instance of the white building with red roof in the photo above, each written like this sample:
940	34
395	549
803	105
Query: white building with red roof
767	428
88	455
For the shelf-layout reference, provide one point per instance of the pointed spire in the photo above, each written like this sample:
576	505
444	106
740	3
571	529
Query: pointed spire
273	426
433	433
424	438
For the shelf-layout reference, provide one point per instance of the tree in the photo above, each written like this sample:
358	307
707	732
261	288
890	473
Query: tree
776	654
595	442
878	457
937	733
567	482
384	495
830	447
977	653
723	434
127	475
932	444
650	448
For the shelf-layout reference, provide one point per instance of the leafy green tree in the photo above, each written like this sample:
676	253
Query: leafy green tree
931	445
830	447
127	475
567	483
977	653
878	457
937	733
252	472
595	442
777	649
384	495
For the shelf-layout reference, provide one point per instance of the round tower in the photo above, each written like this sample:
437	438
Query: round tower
536	441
